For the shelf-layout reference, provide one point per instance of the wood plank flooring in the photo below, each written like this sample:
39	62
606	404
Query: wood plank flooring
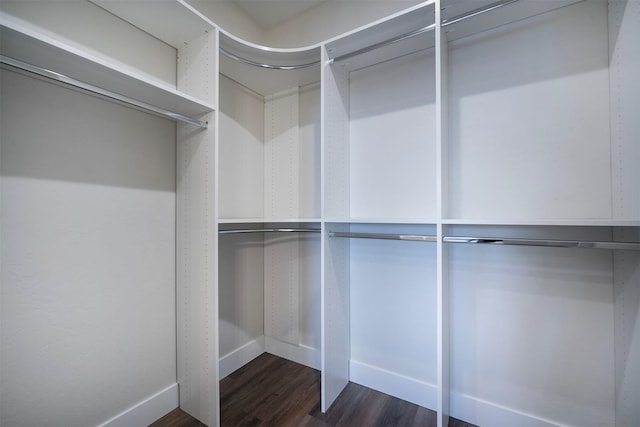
271	391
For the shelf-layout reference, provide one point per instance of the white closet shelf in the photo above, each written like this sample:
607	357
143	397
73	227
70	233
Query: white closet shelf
385	236
26	43
546	222
265	70
268	220
498	13
399	221
409	32
268	230
579	244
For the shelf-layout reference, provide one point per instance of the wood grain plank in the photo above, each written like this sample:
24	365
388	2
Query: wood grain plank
271	391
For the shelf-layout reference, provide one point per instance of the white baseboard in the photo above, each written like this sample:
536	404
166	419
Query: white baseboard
238	358
481	412
403	387
241	356
296	353
147	411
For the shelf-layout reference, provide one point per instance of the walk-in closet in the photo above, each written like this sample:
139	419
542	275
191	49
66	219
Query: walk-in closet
437	200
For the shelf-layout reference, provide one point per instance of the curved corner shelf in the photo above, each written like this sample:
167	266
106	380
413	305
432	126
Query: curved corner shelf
268	70
268	220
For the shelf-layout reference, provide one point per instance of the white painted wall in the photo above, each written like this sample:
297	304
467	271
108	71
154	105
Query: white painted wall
540	113
314	25
392	128
231	18
329	19
527	325
393	314
87	193
241	164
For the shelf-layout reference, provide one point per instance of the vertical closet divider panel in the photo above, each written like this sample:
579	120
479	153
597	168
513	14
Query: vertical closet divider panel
442	194
626	295
197	238
624	87
335	304
624	66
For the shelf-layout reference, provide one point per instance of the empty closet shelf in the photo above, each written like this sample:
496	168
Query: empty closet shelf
476	12
545	243
98	91
383	43
409	237
269	230
423	30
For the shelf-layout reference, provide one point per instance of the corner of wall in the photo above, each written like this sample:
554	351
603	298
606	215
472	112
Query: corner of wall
230	17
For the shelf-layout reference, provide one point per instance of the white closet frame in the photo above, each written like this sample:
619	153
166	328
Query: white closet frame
197	41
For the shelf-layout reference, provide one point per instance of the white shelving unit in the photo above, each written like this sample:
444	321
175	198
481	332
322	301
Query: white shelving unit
268	180
512	120
29	44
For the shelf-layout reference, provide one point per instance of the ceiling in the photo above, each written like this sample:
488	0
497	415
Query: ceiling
270	13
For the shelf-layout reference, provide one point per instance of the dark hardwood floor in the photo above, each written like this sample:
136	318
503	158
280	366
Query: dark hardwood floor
271	391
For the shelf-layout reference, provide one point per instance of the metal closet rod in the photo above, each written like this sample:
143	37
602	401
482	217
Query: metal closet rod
384	43
269	230
494	241
52	75
409	237
445	23
545	243
267	66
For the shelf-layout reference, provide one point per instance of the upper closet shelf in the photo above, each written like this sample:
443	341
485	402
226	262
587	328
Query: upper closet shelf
267	70
407	221
25	43
268	220
401	34
462	18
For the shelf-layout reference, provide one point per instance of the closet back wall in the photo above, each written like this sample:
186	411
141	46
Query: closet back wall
88	255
